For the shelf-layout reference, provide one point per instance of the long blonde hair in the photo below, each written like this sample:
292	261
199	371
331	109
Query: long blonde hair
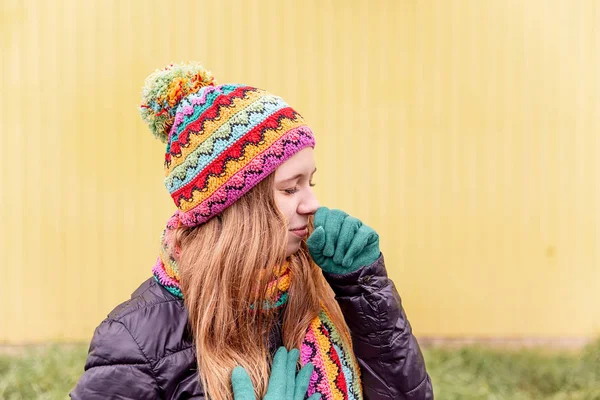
225	266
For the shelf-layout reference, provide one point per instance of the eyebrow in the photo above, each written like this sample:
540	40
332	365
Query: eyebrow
295	177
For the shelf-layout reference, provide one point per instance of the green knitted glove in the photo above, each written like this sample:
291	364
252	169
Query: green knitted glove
340	243
284	384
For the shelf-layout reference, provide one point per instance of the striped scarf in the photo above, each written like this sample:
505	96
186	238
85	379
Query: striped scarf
336	375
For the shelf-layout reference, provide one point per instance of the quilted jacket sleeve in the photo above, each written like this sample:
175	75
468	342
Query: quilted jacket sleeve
392	366
116	367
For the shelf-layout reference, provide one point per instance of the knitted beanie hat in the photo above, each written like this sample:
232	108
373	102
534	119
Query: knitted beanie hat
221	140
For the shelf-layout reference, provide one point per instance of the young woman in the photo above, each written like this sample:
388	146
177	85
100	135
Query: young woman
250	266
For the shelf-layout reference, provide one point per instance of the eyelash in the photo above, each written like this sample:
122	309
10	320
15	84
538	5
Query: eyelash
295	188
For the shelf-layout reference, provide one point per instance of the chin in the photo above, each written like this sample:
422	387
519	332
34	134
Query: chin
290	252
292	249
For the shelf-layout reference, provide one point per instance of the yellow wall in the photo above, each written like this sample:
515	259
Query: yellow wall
465	132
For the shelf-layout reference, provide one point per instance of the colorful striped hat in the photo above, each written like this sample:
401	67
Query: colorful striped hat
221	140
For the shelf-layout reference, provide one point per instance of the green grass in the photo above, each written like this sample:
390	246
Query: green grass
41	373
466	373
480	373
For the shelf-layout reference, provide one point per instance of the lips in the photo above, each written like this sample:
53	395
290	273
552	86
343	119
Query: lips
300	232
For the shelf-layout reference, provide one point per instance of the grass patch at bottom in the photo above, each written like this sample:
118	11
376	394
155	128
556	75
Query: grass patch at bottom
42	373
476	372
468	373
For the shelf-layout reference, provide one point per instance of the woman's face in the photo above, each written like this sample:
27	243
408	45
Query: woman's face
294	195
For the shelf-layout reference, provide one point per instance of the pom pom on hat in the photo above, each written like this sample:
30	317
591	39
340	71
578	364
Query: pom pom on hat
163	91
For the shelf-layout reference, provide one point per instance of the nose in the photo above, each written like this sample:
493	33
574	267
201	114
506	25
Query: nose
309	204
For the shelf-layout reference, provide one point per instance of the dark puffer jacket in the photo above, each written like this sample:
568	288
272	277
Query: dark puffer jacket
144	349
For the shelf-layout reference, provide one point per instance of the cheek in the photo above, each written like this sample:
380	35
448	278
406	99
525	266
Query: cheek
289	212
286	205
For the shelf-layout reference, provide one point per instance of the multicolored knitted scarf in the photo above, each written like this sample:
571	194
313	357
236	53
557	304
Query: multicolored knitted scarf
336	375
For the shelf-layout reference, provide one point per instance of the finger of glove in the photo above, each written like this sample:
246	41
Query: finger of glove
316	241
290	377
333	225
321	216
242	384
372	242
358	244
316	396
277	380
349	228
302	381
370	253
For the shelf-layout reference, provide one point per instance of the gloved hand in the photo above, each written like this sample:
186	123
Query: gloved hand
340	243
284	384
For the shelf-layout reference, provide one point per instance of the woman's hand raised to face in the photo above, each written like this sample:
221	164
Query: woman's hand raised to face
284	384
340	243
